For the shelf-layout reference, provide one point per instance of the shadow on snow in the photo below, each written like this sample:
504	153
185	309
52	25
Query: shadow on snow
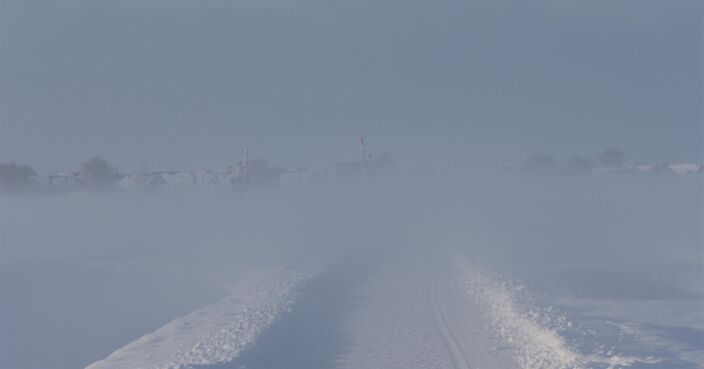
312	335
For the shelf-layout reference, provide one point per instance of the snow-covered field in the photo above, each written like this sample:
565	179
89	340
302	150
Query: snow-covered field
420	310
565	330
529	276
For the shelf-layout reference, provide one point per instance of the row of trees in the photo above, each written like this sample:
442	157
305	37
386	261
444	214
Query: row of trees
96	173
609	158
14	177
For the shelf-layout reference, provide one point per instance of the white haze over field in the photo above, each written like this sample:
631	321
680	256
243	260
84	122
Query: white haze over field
85	274
491	243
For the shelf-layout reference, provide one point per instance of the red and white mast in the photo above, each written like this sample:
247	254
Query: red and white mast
245	162
363	151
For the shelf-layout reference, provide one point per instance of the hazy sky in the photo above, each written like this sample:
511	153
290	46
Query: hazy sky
191	83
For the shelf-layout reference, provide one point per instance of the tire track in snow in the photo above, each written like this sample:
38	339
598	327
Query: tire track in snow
393	326
310	336
454	347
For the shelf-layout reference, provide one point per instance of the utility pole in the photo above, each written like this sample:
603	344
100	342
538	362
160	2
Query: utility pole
363	151
245	162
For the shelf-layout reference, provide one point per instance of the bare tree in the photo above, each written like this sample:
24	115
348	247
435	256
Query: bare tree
383	165
15	177
579	164
260	173
99	174
612	158
540	161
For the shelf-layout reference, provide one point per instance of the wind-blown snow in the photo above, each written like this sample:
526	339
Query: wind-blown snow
535	345
216	333
533	334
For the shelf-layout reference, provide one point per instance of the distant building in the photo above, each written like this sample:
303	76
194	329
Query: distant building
65	181
296	177
683	169
650	169
349	172
608	171
213	178
133	181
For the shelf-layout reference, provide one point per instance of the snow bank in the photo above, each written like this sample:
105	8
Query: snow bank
216	333
536	335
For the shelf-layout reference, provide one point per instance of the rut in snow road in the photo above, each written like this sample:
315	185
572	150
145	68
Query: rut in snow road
454	346
310	335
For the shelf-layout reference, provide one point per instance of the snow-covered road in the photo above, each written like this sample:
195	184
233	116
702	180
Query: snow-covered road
400	309
413	315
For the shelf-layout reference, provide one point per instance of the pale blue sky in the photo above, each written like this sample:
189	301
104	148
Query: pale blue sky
190	84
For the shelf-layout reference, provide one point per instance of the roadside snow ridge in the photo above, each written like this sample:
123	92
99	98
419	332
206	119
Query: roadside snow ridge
217	333
533	335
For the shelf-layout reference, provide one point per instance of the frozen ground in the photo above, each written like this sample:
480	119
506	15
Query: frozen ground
65	314
378	279
567	329
217	333
413	309
652	314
